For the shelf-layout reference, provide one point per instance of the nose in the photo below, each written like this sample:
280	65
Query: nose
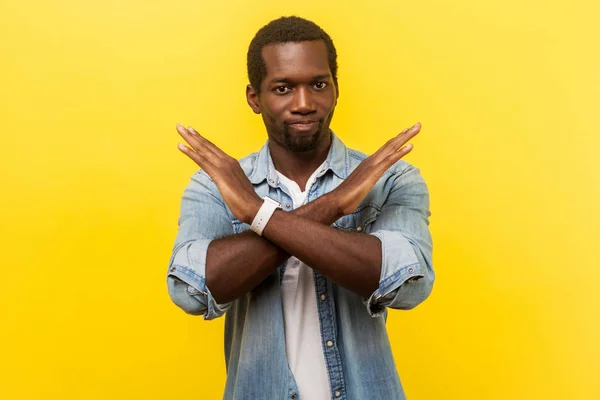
302	101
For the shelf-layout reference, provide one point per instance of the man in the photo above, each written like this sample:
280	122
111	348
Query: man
304	244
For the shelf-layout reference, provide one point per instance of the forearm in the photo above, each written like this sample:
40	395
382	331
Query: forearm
352	260
236	264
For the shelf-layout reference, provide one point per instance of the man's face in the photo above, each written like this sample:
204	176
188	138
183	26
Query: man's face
297	96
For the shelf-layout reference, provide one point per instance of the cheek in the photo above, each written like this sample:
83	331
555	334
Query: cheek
273	112
269	114
328	103
269	118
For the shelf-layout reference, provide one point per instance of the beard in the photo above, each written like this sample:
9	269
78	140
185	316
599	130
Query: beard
303	143
308	142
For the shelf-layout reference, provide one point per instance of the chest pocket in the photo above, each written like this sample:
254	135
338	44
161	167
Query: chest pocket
359	221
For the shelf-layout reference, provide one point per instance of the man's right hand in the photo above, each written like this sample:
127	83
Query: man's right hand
355	188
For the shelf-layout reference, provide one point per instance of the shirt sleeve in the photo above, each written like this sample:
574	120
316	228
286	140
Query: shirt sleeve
203	218
403	228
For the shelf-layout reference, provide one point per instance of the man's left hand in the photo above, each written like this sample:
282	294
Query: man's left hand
233	184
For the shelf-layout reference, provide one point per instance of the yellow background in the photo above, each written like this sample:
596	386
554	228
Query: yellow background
90	92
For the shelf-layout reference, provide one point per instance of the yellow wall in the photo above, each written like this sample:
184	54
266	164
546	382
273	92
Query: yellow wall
90	92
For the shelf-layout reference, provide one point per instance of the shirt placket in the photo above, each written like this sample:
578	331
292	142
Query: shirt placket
327	320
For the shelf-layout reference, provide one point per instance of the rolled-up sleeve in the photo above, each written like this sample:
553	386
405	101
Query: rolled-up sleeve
403	228
203	218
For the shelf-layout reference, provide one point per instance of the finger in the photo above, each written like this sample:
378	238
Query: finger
395	138
202	145
188	136
209	145
385	149
405	150
404	136
392	158
202	162
410	132
386	161
197	142
395	143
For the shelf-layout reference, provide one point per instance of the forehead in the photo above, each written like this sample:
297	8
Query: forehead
295	60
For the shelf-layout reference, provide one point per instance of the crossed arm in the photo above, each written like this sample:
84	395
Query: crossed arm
236	264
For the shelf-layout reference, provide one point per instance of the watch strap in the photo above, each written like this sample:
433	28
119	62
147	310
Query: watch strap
264	215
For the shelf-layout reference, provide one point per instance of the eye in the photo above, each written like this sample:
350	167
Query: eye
321	85
281	89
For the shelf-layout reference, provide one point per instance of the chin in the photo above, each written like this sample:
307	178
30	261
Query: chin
307	142
301	145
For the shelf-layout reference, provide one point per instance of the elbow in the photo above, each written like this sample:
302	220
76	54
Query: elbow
190	308
412	293
410	302
193	310
180	295
193	301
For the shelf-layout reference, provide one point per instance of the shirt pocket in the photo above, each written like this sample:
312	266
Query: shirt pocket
360	220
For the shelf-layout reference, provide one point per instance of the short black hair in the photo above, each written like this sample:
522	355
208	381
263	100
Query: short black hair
284	30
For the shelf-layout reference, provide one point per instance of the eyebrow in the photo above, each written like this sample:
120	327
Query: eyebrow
315	77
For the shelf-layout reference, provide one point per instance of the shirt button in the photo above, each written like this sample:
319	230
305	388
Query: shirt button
329	343
358	228
287	206
323	297
294	396
173	269
411	270
337	393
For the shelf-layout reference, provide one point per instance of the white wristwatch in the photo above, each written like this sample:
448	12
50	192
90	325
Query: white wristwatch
264	215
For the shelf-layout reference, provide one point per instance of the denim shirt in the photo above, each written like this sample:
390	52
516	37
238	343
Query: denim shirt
355	343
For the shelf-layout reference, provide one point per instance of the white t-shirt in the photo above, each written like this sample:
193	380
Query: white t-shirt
301	318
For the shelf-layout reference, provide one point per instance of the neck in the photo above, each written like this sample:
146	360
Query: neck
299	166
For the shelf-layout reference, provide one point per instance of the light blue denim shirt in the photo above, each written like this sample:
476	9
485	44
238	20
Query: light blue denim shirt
353	335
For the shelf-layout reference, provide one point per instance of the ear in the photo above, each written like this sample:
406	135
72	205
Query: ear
252	99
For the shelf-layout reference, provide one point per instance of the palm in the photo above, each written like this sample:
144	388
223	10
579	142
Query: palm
234	186
356	187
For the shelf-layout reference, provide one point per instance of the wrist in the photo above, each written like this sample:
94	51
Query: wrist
334	199
252	209
262	218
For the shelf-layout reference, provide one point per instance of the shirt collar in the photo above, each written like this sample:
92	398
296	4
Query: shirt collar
336	161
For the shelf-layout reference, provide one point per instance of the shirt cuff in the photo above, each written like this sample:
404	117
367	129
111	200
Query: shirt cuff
189	266
399	264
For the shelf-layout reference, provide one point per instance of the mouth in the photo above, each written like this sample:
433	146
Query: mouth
303	126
